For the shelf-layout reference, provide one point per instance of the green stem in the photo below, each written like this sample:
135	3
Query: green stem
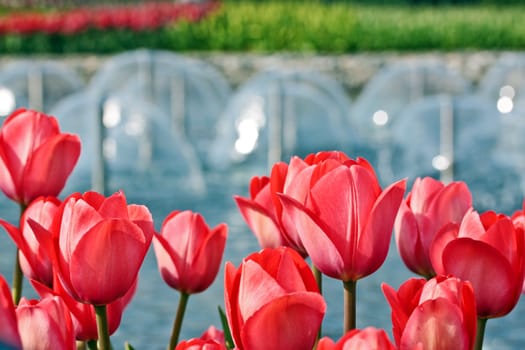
319	279
480	333
92	345
102	327
17	279
17	271
177	324
349	305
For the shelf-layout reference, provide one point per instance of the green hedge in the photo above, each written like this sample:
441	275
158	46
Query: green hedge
307	27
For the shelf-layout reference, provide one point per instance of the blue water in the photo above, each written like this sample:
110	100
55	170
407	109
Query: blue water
148	320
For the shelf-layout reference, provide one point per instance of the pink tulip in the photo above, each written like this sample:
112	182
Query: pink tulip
263	211
211	339
188	252
45	324
429	206
35	260
35	157
489	251
200	344
99	245
213	333
439	314
369	338
9	335
347	227
272	301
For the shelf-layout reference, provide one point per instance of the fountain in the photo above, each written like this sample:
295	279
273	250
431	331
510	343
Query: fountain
504	82
140	149
35	84
455	138
279	113
394	87
190	92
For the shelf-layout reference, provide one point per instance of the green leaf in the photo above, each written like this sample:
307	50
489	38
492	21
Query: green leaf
226	329
127	346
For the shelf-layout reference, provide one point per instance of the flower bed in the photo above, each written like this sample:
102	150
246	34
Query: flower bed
138	17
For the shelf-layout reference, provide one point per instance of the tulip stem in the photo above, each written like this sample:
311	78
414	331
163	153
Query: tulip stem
480	333
177	324
102	327
17	279
319	279
349	305
17	272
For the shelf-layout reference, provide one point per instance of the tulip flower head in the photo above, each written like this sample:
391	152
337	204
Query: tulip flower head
439	314
99	245
263	211
489	251
429	206
45	324
35	157
35	259
369	338
189	253
347	228
272	301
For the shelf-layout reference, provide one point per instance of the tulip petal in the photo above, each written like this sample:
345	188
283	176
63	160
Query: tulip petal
50	166
106	260
438	325
323	253
495	284
268	329
376	236
165	261
261	223
408	242
207	261
443	237
114	206
423	192
9	331
257	288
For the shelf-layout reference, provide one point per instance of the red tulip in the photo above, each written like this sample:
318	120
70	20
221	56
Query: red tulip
369	338
45	324
35	260
272	301
99	245
188	252
9	335
35	157
489	251
429	206
439	314
347	227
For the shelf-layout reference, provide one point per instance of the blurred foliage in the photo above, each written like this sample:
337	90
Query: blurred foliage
311	26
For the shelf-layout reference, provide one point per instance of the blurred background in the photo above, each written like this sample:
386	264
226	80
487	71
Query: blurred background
179	104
